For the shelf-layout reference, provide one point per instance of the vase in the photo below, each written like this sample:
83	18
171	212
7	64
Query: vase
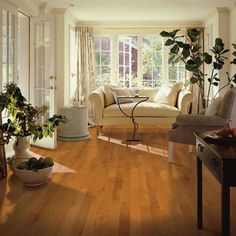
21	148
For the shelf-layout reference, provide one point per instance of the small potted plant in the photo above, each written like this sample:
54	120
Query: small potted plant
23	121
34	172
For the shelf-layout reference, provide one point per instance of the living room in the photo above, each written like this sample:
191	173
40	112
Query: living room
114	101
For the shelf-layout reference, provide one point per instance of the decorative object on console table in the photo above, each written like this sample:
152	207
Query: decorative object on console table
221	162
76	128
138	99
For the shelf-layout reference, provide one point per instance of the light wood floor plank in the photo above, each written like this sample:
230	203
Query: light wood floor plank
105	186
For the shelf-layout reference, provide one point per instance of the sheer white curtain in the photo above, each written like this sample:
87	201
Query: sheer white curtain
86	65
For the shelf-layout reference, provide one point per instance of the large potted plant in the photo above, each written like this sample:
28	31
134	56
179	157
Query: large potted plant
23	121
191	54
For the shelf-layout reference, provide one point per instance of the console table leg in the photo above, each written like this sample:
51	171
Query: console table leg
199	193
225	210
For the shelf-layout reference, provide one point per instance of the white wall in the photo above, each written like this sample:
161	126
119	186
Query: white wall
62	55
232	34
217	26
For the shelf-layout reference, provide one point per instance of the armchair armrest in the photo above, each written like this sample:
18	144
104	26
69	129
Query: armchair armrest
183	102
200	120
97	101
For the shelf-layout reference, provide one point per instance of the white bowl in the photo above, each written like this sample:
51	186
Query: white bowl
31	177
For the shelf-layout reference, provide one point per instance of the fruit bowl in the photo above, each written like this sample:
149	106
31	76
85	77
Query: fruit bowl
35	171
33	177
212	136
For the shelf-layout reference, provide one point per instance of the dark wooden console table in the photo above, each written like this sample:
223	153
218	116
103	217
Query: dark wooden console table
221	161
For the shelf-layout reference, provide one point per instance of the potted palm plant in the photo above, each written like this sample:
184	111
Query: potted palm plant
23	121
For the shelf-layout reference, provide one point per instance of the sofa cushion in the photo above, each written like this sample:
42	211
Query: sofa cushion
214	107
145	109
227	104
150	92
123	92
168	93
109	98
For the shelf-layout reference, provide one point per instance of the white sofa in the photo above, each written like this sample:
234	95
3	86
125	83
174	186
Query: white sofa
152	112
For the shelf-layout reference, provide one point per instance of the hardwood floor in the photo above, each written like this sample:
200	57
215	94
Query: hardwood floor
105	187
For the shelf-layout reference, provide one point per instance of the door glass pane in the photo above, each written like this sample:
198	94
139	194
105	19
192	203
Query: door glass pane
46	98
4	49
38	97
11	25
39	44
11	51
47	42
11	73
4	23
4	74
47	75
39	77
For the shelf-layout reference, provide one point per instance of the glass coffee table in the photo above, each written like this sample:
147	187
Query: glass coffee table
137	100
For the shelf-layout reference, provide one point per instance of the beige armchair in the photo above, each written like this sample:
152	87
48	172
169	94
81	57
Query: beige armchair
183	129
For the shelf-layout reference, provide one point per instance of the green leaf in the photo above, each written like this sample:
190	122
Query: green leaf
171	58
173	33
217	66
191	67
207	58
233	62
169	42
165	34
215	84
194	80
180	44
185	53
174	49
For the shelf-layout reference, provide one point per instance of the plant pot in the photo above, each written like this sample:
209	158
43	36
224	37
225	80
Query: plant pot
21	148
33	177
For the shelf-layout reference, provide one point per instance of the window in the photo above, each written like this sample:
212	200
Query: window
176	72
152	61
103	59
127	66
137	60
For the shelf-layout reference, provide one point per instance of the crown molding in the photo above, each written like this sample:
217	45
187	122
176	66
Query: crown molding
140	24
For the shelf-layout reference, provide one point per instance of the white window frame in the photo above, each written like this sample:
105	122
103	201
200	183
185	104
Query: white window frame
12	10
113	35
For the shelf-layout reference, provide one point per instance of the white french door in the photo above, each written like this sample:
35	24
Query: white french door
42	83
8	44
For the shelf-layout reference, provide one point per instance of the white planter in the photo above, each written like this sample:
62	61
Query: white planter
21	148
31	177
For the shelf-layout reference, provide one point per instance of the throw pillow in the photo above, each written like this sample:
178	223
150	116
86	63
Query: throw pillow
214	107
168	93
109	98
123	92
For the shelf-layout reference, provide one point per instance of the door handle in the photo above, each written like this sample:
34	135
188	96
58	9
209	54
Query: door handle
51	87
52	77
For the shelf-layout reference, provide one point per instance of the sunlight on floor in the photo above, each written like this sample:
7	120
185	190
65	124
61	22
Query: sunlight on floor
137	146
58	168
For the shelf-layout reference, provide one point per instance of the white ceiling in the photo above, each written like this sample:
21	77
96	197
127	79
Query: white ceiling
140	10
